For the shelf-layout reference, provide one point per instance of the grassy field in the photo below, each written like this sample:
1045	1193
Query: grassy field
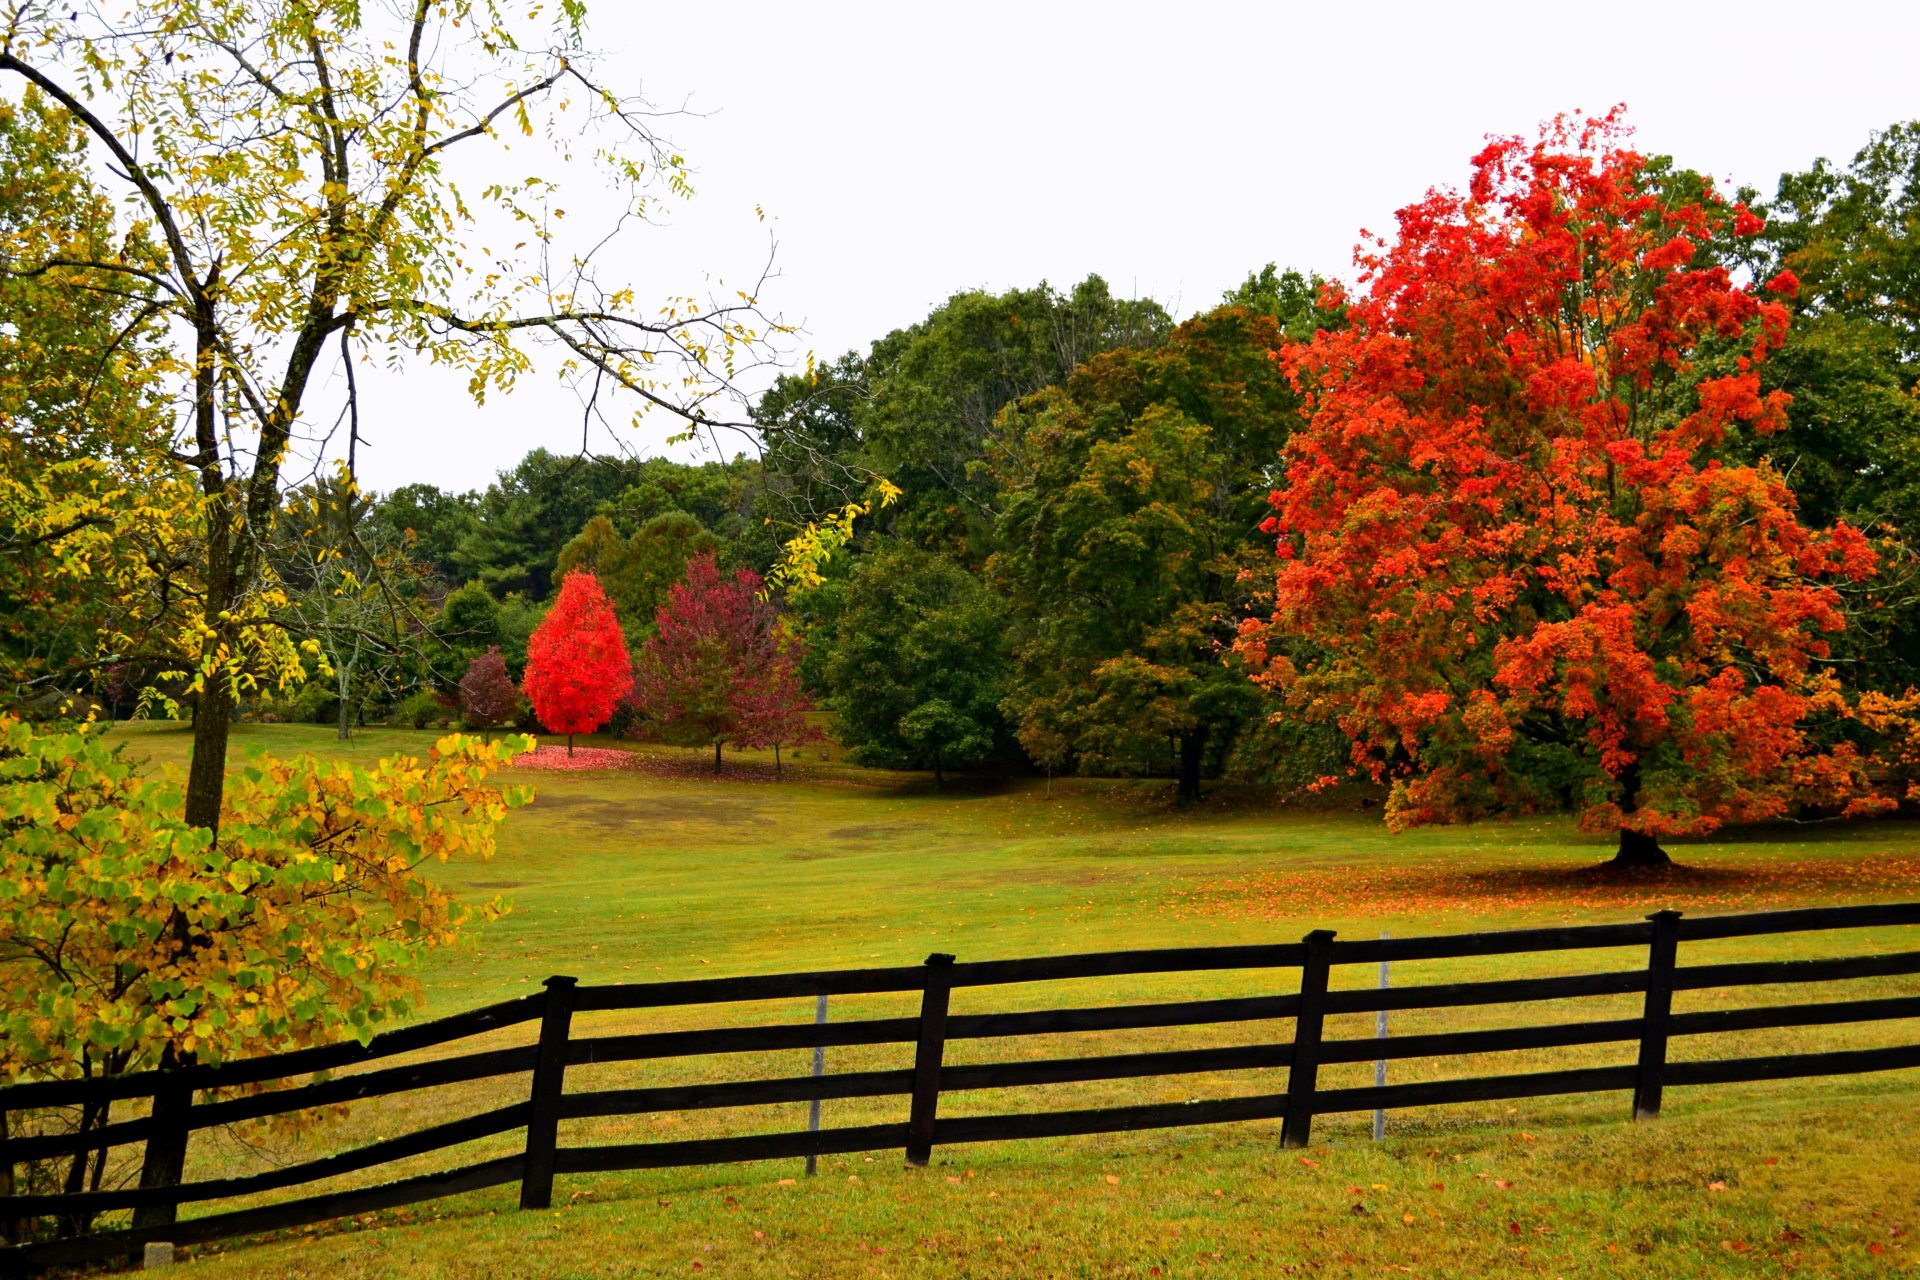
664	872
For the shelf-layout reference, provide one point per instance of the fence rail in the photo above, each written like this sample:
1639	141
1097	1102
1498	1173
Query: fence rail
189	1100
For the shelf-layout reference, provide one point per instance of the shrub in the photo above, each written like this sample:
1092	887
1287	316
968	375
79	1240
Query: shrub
421	709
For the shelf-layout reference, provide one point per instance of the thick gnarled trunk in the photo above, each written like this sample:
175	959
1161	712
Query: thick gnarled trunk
1638	849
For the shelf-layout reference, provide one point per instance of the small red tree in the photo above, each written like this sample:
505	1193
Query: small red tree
1525	557
577	663
488	696
717	670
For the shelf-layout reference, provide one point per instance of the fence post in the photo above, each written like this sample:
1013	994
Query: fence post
1380	1064
926	1059
549	1079
164	1164
819	1071
1653	1021
1298	1121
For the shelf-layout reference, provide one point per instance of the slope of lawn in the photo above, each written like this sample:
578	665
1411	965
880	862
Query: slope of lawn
664	871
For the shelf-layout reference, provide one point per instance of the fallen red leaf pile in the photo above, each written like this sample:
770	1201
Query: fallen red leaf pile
555	756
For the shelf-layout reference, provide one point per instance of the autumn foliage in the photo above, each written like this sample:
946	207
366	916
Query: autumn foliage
720	669
488	696
577	663
134	937
1523	561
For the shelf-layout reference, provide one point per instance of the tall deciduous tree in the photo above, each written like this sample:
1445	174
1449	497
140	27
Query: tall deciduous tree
1131	501
1522	560
717	669
578	668
291	168
918	664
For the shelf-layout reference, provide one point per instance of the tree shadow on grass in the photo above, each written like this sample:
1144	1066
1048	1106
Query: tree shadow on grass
1743	883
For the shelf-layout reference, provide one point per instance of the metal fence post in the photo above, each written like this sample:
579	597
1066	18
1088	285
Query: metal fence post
819	1070
549	1080
1297	1124
1653	1020
926	1059
1380	1064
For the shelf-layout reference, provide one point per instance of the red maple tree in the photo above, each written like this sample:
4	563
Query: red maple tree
488	695
578	668
718	669
1523	561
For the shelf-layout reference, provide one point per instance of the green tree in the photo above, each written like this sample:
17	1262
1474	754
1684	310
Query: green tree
350	593
429	523
1131	504
521	520
918	408
919	663
1851	361
1297	301
637	572
468	624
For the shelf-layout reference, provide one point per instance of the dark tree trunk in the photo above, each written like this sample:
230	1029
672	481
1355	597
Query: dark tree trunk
1637	848
776	761
207	772
1192	747
569	746
716	757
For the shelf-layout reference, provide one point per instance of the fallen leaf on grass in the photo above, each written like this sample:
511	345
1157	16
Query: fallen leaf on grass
1716	1186
1406	1219
1113	1180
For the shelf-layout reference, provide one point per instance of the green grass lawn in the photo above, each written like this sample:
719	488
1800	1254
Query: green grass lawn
665	873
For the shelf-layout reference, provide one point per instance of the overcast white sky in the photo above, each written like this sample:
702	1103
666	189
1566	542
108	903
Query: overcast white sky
907	150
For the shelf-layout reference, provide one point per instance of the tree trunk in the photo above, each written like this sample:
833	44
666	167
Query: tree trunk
1192	747
569	746
716	757
1640	850
207	771
776	761
345	731
1637	848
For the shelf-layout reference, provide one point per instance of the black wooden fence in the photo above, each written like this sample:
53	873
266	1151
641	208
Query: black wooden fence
189	1100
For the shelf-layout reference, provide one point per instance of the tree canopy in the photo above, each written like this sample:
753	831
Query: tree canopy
1522	556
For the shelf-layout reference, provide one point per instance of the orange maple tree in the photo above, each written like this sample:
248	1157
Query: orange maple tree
1520	561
